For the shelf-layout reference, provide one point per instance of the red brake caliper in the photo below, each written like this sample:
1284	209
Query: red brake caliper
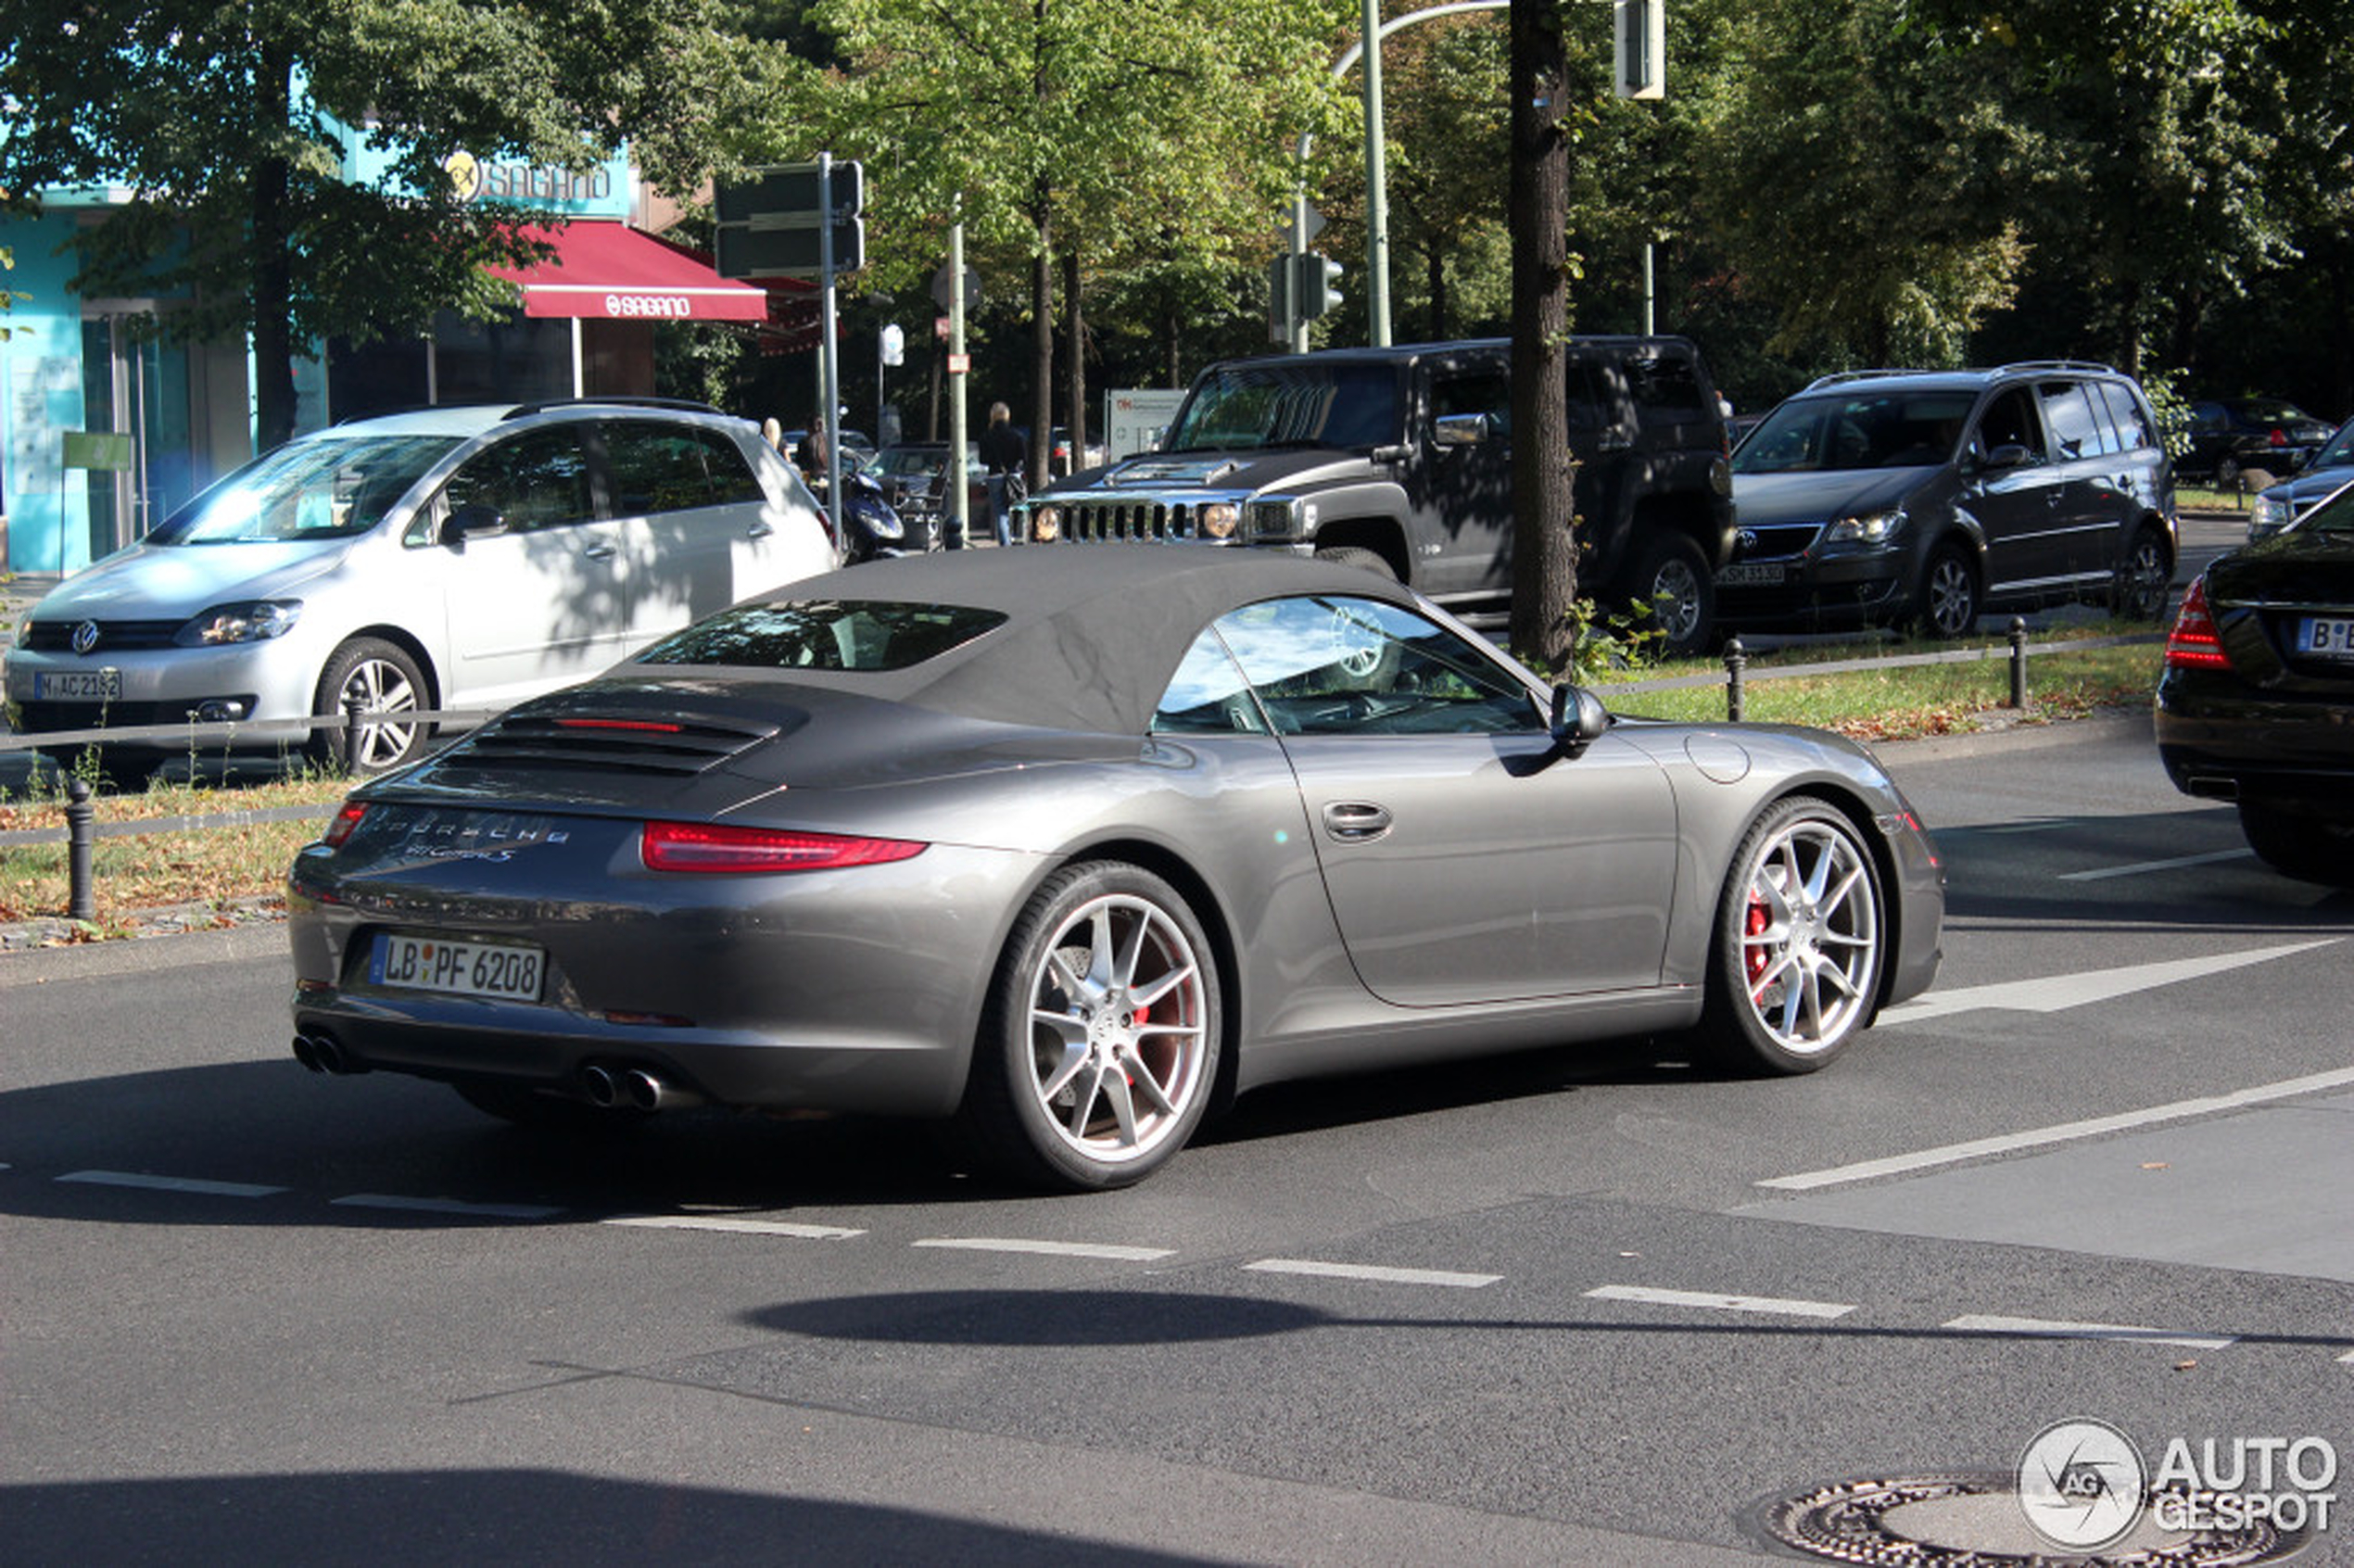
1753	955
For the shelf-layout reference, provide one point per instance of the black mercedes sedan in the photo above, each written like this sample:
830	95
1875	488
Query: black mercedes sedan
2255	704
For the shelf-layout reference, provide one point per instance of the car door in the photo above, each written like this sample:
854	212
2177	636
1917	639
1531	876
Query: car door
2012	488
1467	858
694	519
1467	468
2084	450
536	593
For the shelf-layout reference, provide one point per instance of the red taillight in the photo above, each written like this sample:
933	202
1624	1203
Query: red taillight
2193	644
700	846
2279	438
653	725
346	820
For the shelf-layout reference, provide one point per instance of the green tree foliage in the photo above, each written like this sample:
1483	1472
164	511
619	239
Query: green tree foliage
1123	128
209	117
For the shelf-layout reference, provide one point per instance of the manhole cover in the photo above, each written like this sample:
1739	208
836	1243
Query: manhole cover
1976	1522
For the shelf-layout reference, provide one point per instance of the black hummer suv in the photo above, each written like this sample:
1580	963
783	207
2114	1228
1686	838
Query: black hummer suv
1399	460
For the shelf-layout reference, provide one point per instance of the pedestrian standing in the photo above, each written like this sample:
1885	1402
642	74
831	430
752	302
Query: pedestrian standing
1005	455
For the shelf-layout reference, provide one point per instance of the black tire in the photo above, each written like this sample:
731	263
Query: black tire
2311	848
1107	986
1800	942
1948	604
1359	556
390	684
2144	578
525	1107
1671	577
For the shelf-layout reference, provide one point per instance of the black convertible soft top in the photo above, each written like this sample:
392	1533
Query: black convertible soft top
1093	632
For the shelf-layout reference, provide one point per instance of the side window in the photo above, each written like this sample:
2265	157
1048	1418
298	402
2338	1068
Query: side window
732	479
1208	695
1334	665
2070	418
2010	421
1592	405
1487	392
538	479
1667	389
2105	439
2207	419
2133	430
655	468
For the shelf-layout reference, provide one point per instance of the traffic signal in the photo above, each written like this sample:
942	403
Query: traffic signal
1315	288
1639	33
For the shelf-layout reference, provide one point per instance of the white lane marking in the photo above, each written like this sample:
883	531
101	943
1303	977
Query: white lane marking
1049	1248
172	1183
2347	1359
447	1205
1368	1272
1722	1303
725	1222
2067	1131
2056	993
2043	1328
2138	868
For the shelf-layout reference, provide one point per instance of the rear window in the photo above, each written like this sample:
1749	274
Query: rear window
853	635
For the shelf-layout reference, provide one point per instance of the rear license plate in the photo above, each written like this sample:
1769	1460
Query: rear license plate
78	686
1751	573
2332	637
458	968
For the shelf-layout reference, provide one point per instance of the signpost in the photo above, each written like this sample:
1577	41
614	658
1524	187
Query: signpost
800	220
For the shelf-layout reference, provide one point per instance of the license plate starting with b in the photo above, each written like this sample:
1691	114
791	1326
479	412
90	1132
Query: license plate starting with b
2332	637
503	970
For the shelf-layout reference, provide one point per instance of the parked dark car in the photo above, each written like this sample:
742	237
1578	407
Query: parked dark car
1930	497
2331	470
2256	703
1074	844
909	473
2231	435
1399	460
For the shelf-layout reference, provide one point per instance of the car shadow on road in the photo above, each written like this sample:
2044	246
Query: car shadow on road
306	1143
512	1515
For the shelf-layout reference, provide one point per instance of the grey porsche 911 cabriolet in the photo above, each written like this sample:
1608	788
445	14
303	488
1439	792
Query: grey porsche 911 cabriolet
1075	845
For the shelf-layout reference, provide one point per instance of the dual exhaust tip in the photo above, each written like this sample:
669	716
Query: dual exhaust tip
610	1088
632	1087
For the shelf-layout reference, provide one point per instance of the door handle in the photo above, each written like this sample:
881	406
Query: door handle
600	551
1356	822
758	530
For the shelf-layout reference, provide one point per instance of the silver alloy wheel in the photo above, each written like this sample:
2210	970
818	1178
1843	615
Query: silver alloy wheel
1810	937
2147	579
1117	1018
386	698
1674	598
1952	596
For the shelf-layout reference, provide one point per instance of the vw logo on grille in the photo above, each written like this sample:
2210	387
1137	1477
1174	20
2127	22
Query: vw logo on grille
85	637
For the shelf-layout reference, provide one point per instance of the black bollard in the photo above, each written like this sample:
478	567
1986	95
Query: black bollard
82	898
2018	662
1736	660
354	705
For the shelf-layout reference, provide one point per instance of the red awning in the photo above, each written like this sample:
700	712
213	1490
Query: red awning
611	272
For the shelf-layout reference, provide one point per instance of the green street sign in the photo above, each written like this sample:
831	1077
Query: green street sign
107	449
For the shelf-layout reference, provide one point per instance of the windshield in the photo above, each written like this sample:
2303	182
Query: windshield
325	487
2340	449
1242	407
1856	430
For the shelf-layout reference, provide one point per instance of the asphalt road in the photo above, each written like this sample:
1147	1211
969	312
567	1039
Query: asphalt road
1592	1306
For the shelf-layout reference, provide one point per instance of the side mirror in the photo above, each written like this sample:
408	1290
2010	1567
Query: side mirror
1459	430
1579	718
2009	455
470	520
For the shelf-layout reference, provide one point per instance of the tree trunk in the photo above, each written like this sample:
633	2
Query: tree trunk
1075	355
1042	340
273	262
1434	262
1544	553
